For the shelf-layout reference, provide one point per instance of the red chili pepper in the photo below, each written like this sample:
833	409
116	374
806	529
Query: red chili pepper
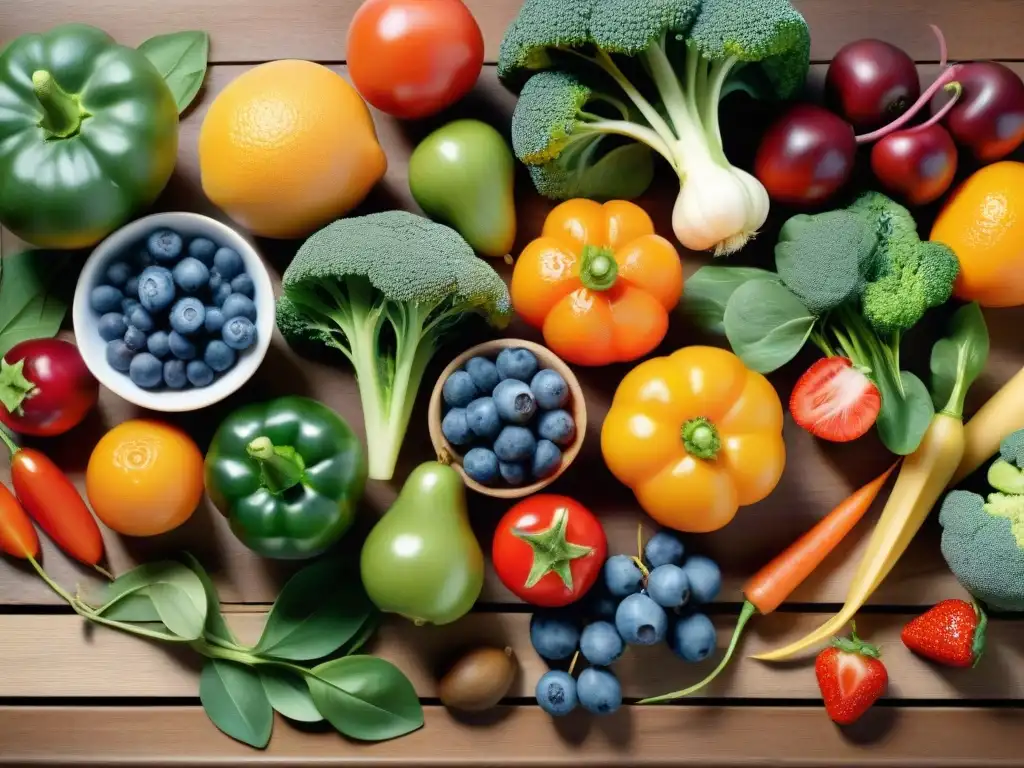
17	536
54	503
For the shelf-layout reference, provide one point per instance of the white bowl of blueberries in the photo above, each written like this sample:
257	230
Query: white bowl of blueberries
174	311
510	415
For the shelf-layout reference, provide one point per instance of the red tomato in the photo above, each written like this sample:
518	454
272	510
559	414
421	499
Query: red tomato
413	58
45	388
549	550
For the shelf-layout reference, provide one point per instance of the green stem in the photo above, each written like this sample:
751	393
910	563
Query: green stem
249	659
717	76
821	342
598	268
634	131
62	113
281	466
667	82
6	439
700	438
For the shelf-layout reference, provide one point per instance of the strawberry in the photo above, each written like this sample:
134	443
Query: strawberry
951	633
851	677
835	401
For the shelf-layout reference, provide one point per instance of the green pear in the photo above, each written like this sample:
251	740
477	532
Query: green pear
463	175
421	560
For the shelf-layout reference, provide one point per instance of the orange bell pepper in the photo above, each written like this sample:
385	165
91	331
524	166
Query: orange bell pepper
695	435
598	282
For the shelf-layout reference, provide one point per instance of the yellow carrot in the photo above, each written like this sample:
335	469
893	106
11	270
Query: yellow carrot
1002	415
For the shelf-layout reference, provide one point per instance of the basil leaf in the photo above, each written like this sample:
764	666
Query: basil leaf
235	701
904	418
175	591
708	290
30	307
320	608
289	694
766	324
216	626
181	59
959	359
366	698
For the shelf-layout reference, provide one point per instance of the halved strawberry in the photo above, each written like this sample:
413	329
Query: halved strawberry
835	401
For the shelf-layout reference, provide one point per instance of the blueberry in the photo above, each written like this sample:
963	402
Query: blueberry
512	472
484	373
199	373
557	426
214	320
146	371
127	305
221	294
599	603
599	691
131	287
140	318
693	637
515	401
118	274
190	274
663	548
112	326
668	586
556	693
481	464
459	389
215	281
243	284
134	338
238	333
227	263
159	344
237	305
546	459
553	637
105	298
622	576
219	356
515	444
164	245
202	249
516	363
601	643
550	389
705	579
119	357
142	260
641	621
482	417
188	315
181	348
156	288
174	374
454	427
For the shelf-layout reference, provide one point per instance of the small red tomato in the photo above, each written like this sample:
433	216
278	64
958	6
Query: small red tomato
549	550
45	388
413	58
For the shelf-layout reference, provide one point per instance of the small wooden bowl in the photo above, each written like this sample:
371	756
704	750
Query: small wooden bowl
547	359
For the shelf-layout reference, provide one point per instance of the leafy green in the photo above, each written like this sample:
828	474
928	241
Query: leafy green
30	304
708	292
181	59
959	358
905	415
234	700
174	590
216	627
766	324
289	694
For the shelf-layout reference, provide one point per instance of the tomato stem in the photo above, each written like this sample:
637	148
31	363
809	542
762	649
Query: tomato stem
11	445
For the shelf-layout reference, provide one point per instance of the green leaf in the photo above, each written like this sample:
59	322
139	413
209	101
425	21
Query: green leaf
216	626
320	608
959	359
289	694
235	701
903	419
175	591
30	307
133	606
366	698
708	290
766	324
181	60
364	635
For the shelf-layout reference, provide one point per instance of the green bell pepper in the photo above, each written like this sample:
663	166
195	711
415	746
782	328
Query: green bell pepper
287	474
88	136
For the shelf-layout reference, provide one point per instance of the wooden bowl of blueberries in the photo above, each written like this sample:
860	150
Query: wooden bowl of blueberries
510	416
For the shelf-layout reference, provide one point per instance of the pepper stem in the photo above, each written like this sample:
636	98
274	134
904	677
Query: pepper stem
598	270
62	112
700	438
281	467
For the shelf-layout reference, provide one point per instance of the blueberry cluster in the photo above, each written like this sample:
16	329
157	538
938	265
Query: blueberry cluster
629	605
510	415
174	317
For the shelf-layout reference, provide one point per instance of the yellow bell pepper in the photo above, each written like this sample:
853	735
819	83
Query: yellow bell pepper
696	435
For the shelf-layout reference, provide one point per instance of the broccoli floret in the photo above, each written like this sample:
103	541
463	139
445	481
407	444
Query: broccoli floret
1011	450
384	289
651	72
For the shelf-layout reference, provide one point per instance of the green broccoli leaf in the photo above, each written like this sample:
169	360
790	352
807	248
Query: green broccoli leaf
904	418
709	289
958	359
766	324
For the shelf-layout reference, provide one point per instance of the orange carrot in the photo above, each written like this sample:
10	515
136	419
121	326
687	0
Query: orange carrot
770	586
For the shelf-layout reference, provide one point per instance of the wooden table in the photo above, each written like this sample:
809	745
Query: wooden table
77	695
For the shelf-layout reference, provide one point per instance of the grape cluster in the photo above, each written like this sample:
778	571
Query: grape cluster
637	601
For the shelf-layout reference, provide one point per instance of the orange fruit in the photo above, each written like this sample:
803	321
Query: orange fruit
983	222
144	478
288	147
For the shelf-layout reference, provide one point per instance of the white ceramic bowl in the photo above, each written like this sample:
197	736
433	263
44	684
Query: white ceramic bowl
93	347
